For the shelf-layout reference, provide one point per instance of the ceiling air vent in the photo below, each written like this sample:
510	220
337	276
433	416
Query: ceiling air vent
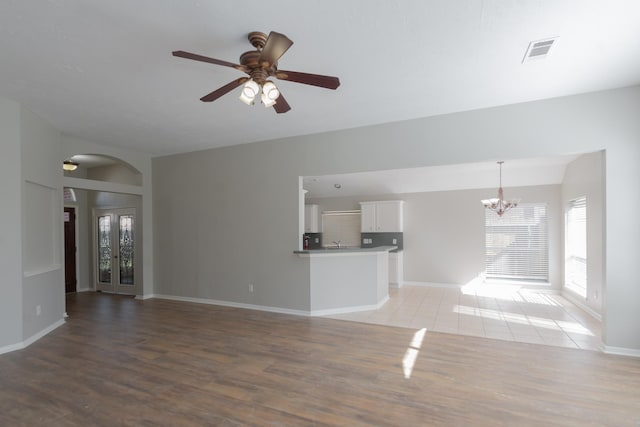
539	49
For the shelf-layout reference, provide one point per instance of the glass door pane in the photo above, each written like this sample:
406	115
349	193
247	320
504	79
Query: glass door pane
104	249
126	244
115	246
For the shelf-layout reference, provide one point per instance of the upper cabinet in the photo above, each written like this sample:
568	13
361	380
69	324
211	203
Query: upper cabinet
381	217
311	219
367	217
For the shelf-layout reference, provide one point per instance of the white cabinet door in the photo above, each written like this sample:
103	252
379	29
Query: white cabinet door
368	217
311	219
389	217
393	268
381	217
396	268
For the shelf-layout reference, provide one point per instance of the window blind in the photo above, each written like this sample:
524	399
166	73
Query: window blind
341	225
516	244
575	271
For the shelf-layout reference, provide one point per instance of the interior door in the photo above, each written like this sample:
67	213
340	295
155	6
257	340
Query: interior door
115	250
70	279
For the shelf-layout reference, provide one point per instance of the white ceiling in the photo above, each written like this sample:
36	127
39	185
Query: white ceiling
103	70
515	173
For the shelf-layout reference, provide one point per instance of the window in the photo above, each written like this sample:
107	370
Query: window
516	244
575	264
343	226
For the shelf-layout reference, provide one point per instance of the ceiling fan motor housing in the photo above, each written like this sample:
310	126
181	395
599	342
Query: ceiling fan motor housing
257	39
259	71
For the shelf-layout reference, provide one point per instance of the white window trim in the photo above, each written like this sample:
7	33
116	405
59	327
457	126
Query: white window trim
575	268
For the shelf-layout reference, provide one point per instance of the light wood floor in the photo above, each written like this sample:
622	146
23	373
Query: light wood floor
119	361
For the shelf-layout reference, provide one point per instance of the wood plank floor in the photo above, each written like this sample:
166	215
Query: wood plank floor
119	361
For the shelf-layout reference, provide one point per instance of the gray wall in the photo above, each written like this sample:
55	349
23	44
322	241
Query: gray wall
115	173
10	232
42	226
584	177
230	216
31	244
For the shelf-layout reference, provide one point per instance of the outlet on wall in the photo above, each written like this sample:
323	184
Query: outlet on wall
251	287
38	310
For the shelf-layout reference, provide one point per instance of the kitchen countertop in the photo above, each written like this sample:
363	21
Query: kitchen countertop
345	250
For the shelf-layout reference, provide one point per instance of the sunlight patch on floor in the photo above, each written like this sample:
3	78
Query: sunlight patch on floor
538	322
410	356
504	291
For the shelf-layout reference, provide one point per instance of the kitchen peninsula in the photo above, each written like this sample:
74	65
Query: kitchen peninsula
343	280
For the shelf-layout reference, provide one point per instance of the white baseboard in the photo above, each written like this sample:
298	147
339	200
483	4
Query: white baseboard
522	285
353	309
431	284
620	351
11	347
231	304
270	309
33	338
85	290
584	307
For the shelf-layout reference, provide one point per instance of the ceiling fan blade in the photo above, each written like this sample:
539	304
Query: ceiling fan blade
328	82
223	90
281	105
196	57
275	46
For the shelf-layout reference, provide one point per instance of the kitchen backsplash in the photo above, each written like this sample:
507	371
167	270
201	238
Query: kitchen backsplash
315	240
372	240
381	239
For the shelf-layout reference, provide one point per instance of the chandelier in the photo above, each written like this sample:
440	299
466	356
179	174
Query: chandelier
499	205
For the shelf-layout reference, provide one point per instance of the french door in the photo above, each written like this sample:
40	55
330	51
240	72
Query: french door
115	244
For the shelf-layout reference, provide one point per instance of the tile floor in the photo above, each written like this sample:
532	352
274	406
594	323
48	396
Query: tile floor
504	312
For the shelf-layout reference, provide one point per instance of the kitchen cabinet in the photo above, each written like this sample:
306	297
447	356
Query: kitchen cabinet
311	219
367	217
381	217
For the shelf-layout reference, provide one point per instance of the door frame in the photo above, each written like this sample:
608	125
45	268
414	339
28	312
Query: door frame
116	288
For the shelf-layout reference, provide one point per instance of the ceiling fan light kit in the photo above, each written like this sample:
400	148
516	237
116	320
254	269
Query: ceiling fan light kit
270	94
260	65
249	92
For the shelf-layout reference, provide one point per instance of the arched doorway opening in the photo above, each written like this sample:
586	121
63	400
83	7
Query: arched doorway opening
107	257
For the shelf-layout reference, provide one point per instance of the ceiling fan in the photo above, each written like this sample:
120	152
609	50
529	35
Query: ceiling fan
262	64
